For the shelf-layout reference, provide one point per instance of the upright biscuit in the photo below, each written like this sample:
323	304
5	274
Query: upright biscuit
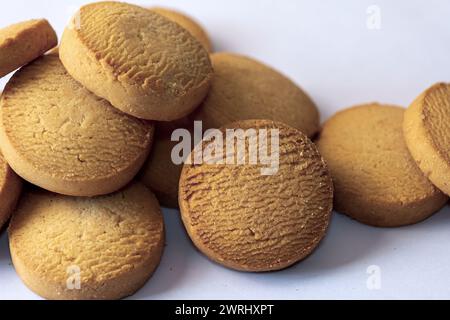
375	178
87	248
10	186
143	63
248	221
427	134
188	23
242	89
23	42
59	136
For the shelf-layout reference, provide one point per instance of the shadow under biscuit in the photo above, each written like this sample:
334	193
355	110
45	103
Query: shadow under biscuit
440	220
178	254
347	242
350	242
4	247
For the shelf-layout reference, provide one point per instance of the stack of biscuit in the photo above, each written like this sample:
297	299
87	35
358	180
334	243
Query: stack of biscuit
88	126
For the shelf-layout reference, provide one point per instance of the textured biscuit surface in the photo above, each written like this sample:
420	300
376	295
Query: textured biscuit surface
160	173
113	243
23	42
10	187
59	136
375	178
251	222
140	61
245	89
242	89
188	23
427	134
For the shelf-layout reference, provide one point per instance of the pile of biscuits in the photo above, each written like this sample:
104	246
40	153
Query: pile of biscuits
88	126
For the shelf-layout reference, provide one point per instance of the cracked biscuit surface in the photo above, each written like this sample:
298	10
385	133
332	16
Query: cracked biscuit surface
376	180
59	136
252	222
87	248
23	42
188	23
427	133
242	89
140	61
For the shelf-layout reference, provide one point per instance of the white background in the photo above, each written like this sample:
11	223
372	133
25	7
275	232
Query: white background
327	48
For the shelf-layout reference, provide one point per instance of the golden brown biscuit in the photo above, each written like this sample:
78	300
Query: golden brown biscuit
59	136
188	23
376	181
10	187
159	172
87	248
242	89
143	63
23	42
427	134
252	222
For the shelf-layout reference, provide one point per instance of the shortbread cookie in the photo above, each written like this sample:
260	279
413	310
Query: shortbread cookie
160	173
245	89
87	248
10	186
23	42
375	178
242	89
59	136
248	221
427	134
188	23
140	61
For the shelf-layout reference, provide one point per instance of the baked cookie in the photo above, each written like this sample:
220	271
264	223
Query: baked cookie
59	136
188	23
248	221
140	61
23	42
87	248
160	173
242	89
245	89
375	178
10	187
427	134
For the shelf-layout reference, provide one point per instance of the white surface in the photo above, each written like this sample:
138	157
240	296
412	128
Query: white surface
326	47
